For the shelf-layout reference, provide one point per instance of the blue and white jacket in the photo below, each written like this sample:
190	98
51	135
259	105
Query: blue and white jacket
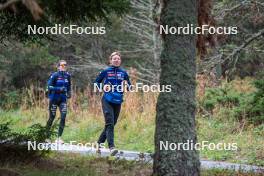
113	76
59	86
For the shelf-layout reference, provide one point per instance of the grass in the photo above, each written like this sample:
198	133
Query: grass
250	143
138	134
136	125
58	164
77	165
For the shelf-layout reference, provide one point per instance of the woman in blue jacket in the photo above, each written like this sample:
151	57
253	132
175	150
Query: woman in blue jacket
59	91
112	78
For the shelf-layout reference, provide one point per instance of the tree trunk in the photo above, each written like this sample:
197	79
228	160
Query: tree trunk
175	120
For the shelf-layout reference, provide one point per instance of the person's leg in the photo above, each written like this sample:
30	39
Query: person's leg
102	137
105	108
52	114
117	108
63	112
109	124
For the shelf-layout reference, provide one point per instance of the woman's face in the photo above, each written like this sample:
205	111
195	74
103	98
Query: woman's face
62	66
116	61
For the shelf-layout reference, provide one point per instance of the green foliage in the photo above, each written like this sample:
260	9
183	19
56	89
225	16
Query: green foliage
26	65
84	127
22	67
257	111
227	172
242	106
252	106
248	61
14	145
9	100
14	25
224	96
76	10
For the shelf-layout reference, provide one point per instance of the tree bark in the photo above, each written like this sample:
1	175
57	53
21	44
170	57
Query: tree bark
175	119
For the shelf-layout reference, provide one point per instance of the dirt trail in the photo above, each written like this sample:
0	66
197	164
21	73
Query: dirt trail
146	157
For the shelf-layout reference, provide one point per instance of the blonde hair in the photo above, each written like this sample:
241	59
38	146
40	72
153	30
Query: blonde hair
112	55
60	61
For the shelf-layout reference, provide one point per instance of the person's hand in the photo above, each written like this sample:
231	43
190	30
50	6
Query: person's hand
63	89
107	88
125	86
69	95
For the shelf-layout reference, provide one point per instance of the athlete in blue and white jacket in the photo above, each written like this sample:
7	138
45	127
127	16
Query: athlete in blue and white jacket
113	76
59	90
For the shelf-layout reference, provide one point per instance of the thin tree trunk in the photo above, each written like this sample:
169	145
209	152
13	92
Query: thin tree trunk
175	120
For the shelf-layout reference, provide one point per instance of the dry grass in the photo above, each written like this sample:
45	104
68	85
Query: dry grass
135	128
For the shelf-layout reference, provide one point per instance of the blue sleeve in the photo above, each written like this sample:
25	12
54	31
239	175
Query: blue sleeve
100	77
51	82
69	85
128	80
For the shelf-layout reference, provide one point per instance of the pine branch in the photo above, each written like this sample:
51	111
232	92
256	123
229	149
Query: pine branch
247	42
7	4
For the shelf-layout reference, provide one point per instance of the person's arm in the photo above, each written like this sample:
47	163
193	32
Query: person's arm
100	78
51	83
96	84
128	81
69	87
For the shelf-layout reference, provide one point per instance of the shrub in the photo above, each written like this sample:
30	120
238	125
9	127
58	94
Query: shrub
10	99
224	96
14	144
244	105
257	111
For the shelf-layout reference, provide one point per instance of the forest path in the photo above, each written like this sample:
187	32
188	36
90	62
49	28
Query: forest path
146	157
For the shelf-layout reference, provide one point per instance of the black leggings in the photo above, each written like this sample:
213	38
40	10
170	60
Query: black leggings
52	113
111	113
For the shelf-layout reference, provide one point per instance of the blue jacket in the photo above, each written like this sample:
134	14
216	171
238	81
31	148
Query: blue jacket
113	76
59	86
